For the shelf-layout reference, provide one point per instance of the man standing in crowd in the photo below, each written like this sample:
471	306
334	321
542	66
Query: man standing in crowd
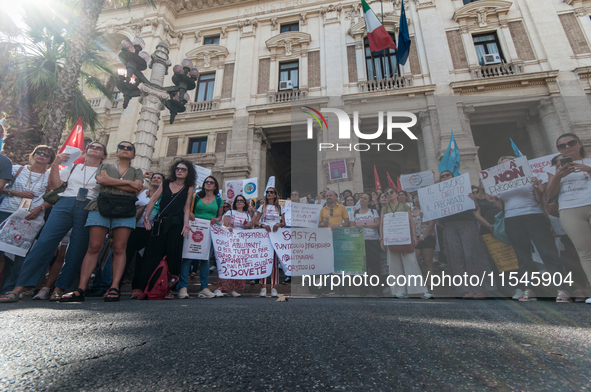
333	214
5	177
295	196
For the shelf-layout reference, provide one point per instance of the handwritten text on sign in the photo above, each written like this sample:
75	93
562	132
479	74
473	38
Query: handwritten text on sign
304	251
305	215
396	229
242	254
414	181
446	198
198	244
506	176
539	166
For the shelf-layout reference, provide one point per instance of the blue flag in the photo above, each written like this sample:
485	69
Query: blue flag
451	158
515	149
403	37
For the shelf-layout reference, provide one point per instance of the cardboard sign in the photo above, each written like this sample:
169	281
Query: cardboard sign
507	176
415	181
242	254
396	229
539	166
247	188
502	254
304	251
202	174
446	198
18	234
198	245
305	215
349	250
337	170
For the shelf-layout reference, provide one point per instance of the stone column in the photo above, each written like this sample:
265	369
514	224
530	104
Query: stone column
532	127
428	140
549	119
506	38
258	141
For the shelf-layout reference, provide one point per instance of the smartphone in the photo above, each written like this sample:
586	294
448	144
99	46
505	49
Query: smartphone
566	161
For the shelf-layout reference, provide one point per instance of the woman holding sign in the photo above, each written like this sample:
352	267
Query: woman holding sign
571	182
424	234
368	219
401	258
236	218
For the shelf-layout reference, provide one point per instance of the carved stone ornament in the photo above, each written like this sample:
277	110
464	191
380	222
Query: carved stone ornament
224	32
248	27
289	43
303	19
424	3
481	13
332	13
274	24
208	53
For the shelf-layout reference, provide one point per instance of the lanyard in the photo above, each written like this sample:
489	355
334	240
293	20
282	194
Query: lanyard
119	172
28	184
84	182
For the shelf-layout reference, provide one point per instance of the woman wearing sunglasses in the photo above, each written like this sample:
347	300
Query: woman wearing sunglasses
170	225
236	218
270	217
68	213
122	181
571	182
29	184
207	204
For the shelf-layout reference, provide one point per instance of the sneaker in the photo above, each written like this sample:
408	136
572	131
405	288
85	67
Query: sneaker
528	296
579	296
183	294
401	296
212	268
517	294
287	280
563	297
252	282
263	293
588	301
206	293
218	293
42	294
234	294
274	293
428	296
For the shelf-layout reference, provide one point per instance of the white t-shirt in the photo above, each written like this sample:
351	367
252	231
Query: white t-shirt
79	180
271	216
575	189
237	219
142	200
36	183
368	217
520	201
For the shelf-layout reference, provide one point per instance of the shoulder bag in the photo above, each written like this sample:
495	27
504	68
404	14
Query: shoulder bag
52	197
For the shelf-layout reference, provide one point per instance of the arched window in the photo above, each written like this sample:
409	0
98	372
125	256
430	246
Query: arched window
381	65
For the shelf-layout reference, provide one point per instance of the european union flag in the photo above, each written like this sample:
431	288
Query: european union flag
403	37
451	158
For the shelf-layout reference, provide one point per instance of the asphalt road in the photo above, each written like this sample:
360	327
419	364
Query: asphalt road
346	344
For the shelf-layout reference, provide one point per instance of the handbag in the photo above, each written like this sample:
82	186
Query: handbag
52	197
116	206
408	248
499	228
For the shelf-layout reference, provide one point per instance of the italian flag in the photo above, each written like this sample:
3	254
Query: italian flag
378	37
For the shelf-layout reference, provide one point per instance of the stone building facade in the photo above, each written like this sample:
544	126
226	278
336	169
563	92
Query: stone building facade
239	121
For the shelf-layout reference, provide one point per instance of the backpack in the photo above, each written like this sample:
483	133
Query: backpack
161	282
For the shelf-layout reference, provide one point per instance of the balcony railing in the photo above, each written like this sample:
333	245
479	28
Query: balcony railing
287	96
203	106
366	86
104	103
496	70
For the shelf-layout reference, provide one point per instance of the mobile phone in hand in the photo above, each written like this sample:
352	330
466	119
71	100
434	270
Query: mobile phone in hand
566	161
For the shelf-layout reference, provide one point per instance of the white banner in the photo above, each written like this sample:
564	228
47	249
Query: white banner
198	245
242	254
18	234
304	251
202	174
305	215
286	209
397	229
507	176
415	181
539	166
446	198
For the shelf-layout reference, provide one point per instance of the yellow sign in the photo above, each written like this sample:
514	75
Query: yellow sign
502	254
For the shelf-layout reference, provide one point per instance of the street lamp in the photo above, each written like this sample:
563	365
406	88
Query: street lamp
136	61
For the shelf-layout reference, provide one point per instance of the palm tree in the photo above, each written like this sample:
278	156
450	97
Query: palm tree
77	46
29	77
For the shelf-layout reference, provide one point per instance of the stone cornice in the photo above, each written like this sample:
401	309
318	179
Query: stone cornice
207	53
479	13
286	44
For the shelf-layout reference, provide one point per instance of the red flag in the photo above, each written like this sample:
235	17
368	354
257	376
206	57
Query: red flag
390	181
376	178
399	185
76	139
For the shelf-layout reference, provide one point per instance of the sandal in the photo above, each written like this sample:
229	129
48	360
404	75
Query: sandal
135	293
10	297
42	294
169	296
56	295
72	297
113	295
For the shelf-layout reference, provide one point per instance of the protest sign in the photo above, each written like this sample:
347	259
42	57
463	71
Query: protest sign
446	198
337	170
349	250
415	181
351	210
502	254
198	244
286	209
539	166
507	176
250	188
304	251
18	234
247	188
305	215
233	188
396	229
242	254
202	174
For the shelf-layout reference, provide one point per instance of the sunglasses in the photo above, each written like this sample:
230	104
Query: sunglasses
389	192
128	148
210	182
572	143
271	192
240	201
95	147
181	169
44	154
295	194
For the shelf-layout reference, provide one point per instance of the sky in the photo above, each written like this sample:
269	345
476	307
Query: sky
13	9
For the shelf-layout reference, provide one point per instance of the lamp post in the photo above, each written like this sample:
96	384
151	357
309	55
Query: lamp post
152	95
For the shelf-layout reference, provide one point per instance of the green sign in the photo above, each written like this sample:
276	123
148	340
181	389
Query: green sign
349	250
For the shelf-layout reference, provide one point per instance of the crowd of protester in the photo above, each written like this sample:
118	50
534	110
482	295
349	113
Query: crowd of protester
107	225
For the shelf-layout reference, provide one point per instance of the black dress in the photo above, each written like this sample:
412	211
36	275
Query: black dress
166	237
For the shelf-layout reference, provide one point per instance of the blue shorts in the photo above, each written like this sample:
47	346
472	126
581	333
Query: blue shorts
96	219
